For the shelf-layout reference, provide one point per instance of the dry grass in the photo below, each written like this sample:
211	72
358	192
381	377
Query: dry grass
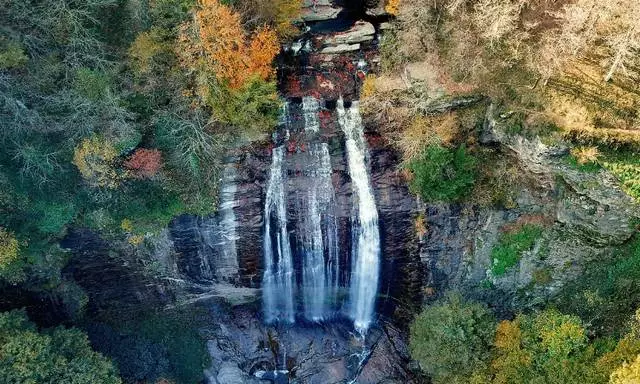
595	117
425	130
368	88
585	155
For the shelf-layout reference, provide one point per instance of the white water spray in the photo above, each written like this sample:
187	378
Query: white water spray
278	279
366	234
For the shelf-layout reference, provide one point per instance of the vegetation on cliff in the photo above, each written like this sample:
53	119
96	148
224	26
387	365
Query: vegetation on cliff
557	73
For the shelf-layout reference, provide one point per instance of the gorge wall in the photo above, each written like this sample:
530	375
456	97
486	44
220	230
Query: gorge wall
289	224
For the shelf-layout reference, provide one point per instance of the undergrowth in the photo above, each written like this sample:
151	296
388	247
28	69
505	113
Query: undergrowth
510	247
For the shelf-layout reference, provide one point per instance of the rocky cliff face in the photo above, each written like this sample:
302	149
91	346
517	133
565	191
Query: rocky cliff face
583	215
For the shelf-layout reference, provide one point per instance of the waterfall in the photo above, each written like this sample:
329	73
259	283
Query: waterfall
226	236
278	279
301	224
365	232
310	108
317	233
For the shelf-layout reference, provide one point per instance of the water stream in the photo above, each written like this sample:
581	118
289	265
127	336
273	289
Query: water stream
365	245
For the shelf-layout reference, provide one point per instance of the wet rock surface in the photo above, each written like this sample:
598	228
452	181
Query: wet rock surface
243	349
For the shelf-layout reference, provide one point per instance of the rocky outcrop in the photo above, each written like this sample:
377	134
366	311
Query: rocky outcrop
112	278
340	48
360	32
583	215
319	10
590	204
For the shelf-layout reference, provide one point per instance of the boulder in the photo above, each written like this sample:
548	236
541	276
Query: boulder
322	11
360	32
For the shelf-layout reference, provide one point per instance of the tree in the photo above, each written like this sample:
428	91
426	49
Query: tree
547	347
452	338
54	356
144	163
217	35
95	158
11	262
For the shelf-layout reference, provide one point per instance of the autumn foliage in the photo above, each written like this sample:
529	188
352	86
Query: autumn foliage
392	6
144	163
95	158
234	56
9	257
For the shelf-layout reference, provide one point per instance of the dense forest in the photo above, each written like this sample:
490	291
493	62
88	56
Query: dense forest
115	116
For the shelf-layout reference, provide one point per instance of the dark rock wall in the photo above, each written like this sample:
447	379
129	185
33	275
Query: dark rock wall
111	279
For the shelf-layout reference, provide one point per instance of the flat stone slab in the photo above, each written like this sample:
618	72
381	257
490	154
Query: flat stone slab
386	26
309	3
341	48
360	32
320	13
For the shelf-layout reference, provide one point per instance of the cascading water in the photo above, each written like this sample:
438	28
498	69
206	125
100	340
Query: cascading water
365	232
310	108
226	235
317	238
308	238
278	279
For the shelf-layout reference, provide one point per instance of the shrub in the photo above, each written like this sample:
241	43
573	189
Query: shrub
57	356
443	174
452	338
510	247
